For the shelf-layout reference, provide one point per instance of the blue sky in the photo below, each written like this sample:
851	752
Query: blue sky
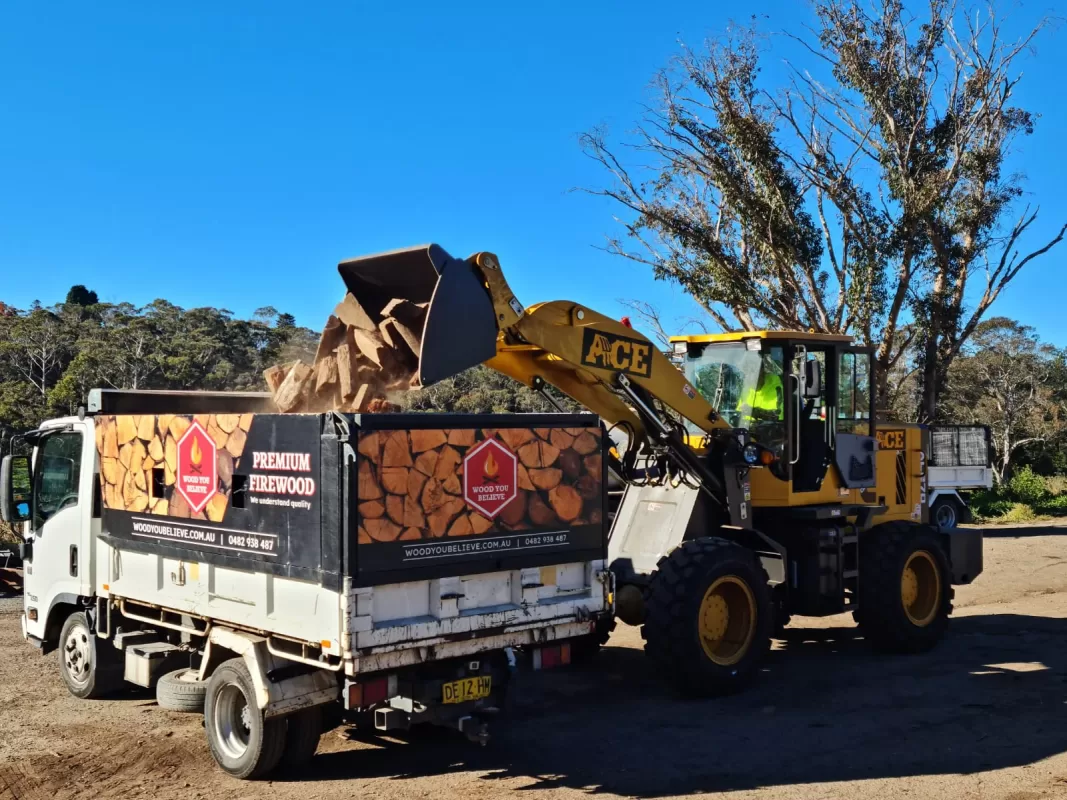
230	154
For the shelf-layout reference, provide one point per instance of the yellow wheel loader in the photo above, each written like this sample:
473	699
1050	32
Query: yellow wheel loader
755	483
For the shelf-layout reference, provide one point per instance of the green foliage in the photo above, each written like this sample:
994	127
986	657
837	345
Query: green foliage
8	535
51	357
481	390
1026	487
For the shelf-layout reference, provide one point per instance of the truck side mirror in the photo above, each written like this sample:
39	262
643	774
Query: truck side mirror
16	489
812	378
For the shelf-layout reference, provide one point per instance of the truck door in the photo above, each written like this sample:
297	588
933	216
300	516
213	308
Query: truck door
57	570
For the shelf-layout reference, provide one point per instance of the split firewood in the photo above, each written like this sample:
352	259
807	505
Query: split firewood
372	509
224	465
448	460
326	373
127	429
146	427
461	527
372	346
515	437
382	529
410	533
586	443
426	462
571	464
566	502
594	464
422	440
367	482
354	315
395	480
438	520
363	537
401	339
538	454
397	450
394	507
463	437
416	480
547	478
290	394
411	314
452	485
560	438
236	443
524	479
333	334
413	515
216	507
346	374
588	486
370	446
540	512
515	511
480	523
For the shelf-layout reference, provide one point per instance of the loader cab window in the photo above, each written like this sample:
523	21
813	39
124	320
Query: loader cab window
811	437
745	385
854	394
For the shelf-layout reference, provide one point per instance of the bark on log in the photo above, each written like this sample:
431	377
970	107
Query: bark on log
594	464
588	487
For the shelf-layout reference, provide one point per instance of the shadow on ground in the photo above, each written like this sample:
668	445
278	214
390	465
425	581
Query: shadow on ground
826	709
1025	531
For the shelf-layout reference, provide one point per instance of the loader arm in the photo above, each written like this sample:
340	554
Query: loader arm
473	317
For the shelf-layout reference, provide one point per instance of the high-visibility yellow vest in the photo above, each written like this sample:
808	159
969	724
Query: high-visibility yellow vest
764	397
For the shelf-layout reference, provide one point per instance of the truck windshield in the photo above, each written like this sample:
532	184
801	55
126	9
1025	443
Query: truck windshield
744	386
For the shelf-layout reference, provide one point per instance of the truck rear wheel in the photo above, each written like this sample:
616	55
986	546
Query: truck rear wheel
945	513
242	742
709	616
90	667
303	729
905	594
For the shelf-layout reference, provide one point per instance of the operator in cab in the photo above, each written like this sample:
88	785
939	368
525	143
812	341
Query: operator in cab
764	402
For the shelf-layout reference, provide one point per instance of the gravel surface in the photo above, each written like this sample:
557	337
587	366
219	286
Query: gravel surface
983	716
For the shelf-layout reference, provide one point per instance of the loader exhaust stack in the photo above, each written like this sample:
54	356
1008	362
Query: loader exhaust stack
460	328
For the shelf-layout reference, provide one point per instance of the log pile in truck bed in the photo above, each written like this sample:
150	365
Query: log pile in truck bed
364	357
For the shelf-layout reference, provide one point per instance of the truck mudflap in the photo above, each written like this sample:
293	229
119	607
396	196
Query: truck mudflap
964	549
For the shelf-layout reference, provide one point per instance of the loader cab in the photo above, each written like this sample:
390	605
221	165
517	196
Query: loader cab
807	397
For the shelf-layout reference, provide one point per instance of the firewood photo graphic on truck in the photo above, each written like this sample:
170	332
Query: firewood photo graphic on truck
444	483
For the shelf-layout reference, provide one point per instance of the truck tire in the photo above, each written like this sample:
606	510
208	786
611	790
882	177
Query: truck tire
242	742
181	690
709	617
945	512
90	667
303	729
905	592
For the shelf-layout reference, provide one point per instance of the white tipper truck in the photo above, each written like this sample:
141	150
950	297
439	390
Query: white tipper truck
278	570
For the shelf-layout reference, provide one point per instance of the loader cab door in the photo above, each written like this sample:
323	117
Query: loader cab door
810	424
832	416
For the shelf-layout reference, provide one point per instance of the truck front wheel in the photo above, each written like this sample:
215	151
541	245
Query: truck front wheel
242	742
90	667
709	616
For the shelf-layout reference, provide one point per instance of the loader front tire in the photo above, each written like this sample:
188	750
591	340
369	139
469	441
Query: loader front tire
905	592
709	617
242	742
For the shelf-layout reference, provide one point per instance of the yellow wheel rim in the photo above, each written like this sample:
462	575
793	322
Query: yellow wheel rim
727	620
920	588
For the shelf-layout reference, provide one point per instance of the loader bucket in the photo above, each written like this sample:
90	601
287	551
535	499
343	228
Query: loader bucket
460	328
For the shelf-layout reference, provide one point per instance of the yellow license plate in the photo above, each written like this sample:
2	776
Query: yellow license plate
466	689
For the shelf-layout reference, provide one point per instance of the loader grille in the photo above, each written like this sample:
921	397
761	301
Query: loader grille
902	478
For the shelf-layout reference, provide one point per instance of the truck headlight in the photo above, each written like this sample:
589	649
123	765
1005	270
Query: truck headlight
751	454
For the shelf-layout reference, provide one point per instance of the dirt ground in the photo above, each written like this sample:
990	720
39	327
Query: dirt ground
984	716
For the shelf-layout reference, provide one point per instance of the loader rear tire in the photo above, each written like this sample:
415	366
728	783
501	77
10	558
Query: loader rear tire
709	617
905	592
242	742
181	691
